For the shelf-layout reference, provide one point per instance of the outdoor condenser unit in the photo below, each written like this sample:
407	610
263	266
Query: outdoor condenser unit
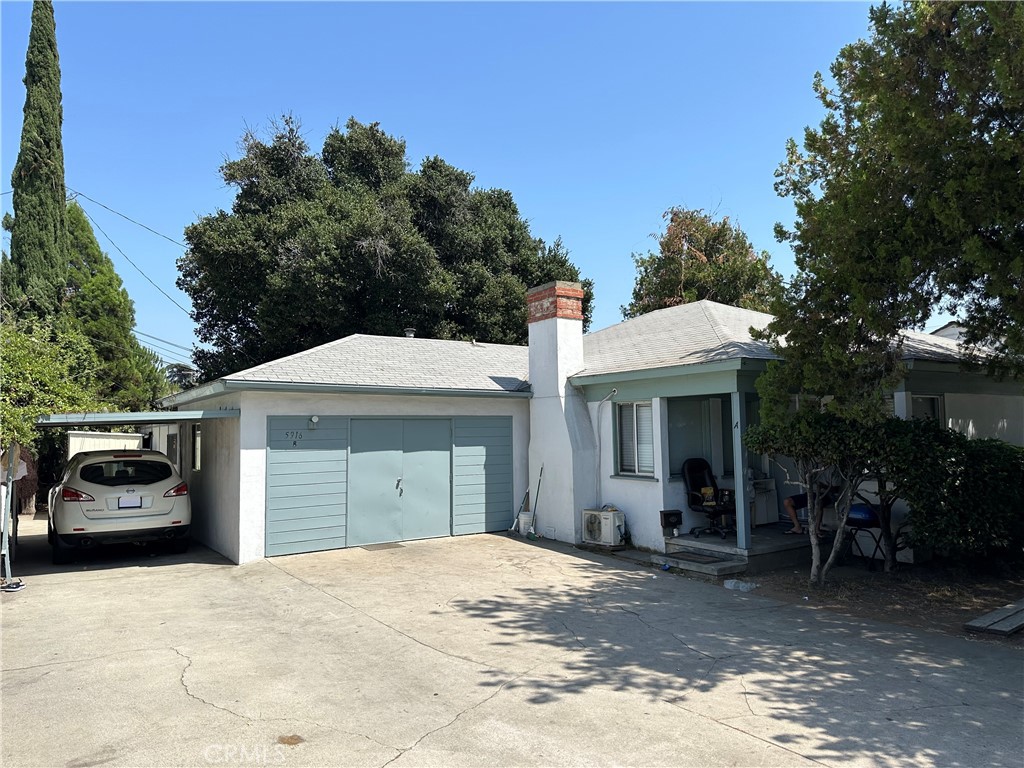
603	526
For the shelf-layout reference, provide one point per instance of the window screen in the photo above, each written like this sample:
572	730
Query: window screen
636	439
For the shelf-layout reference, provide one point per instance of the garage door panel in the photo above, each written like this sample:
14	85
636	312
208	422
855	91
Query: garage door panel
315	545
306	468
474	476
307	484
482	474
300	490
295	529
284	517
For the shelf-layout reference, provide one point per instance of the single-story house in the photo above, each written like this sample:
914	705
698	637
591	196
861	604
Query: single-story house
372	439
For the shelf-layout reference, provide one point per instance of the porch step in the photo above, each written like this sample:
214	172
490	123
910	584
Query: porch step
1002	621
702	563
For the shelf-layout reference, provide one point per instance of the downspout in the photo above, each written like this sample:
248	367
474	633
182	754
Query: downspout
597	475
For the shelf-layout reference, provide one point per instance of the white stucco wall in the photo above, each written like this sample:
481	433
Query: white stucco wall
981	416
641	499
215	490
562	434
258	406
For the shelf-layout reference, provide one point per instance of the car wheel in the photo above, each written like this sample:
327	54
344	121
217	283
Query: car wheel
179	546
62	553
49	533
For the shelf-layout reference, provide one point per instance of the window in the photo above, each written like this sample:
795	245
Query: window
126	472
197	453
172	447
927	407
636	439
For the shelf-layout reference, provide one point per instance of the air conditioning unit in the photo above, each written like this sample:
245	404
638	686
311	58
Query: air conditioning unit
603	526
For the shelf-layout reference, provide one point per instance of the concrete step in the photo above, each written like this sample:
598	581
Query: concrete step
701	563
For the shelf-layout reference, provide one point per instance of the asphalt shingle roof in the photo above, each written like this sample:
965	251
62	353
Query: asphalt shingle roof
688	334
400	363
707	332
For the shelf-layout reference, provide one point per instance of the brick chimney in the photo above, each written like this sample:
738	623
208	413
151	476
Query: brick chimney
561	434
556	335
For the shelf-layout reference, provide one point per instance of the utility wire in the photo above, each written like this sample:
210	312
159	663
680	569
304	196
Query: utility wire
167	295
165	341
164	351
127	218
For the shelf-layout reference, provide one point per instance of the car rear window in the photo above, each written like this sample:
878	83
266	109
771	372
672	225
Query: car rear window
126	472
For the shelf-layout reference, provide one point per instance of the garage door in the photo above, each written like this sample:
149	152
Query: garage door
482	475
351	482
307	476
400	474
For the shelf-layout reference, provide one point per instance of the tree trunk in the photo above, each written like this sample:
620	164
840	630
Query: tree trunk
843	510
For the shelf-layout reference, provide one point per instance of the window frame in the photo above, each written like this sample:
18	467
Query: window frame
636	470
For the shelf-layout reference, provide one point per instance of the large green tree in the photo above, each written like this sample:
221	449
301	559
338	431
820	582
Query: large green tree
130	375
316	247
46	369
34	276
701	258
910	192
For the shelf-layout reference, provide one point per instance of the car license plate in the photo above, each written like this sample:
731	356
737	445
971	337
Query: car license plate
129	502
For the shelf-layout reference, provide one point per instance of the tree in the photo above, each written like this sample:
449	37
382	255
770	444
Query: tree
34	277
181	376
910	189
319	247
824	402
700	258
46	370
129	375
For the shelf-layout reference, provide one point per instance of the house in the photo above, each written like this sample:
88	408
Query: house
373	439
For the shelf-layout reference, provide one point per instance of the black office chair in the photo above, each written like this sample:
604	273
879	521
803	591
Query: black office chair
702	495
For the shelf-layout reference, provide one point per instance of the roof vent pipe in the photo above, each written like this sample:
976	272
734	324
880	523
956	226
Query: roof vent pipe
410	333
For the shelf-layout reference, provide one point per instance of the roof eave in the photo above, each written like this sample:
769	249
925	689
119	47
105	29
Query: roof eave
136	417
689	369
353	389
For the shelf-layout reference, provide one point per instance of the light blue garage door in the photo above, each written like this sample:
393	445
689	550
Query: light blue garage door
400	476
482	498
351	482
307	477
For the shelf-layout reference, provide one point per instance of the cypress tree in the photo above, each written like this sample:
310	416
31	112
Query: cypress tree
39	238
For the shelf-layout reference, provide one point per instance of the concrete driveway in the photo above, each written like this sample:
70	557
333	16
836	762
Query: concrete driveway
479	650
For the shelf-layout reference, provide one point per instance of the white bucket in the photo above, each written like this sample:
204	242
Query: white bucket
525	523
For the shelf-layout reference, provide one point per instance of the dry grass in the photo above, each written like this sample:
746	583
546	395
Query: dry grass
922	596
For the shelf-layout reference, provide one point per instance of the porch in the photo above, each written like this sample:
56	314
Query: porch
710	556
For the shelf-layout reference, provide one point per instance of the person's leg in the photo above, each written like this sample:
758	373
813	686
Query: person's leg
791	511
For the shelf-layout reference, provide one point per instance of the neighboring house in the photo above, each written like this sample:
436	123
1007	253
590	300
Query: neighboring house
377	439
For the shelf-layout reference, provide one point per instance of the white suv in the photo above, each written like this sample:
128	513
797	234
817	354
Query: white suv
118	496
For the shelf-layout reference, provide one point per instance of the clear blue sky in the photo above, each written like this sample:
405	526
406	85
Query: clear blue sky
597	117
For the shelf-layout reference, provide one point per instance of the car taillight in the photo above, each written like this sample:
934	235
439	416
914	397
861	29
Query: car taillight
181	489
70	494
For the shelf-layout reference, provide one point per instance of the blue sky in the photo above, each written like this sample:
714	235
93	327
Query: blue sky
597	117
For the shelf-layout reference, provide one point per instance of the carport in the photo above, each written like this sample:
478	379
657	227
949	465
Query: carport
193	450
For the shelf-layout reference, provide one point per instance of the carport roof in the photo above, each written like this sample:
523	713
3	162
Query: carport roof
136	417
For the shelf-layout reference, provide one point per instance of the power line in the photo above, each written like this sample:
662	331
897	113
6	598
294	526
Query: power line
156	348
165	341
167	295
126	217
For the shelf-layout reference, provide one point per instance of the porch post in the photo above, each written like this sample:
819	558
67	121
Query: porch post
739	426
902	402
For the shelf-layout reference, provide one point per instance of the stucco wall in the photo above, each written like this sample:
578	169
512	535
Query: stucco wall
258	406
981	416
214	489
640	498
